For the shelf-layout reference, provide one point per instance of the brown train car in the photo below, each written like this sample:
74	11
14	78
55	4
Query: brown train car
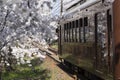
87	41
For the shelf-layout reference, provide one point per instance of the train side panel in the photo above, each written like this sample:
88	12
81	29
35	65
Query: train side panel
86	41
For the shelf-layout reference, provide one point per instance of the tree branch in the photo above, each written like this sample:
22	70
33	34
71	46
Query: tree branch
29	4
4	23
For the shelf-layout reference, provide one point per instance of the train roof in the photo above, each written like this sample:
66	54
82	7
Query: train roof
86	9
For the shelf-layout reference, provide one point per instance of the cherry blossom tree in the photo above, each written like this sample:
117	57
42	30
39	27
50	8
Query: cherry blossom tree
21	24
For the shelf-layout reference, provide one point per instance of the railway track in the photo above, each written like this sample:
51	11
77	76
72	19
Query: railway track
51	53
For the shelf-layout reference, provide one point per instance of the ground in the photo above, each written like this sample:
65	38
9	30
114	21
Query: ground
56	72
46	70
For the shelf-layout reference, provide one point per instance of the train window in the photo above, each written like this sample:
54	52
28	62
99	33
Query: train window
73	26
65	26
77	30
86	21
74	31
81	22
64	32
67	32
81	30
86	29
91	37
76	23
70	31
68	24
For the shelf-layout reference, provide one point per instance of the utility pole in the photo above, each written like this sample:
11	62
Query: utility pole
116	28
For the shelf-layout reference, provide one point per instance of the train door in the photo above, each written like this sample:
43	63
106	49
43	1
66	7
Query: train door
103	41
100	39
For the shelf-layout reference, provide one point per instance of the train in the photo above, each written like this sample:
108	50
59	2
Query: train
87	41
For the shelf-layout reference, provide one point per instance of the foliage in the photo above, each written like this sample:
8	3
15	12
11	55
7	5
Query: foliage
54	45
23	72
21	24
